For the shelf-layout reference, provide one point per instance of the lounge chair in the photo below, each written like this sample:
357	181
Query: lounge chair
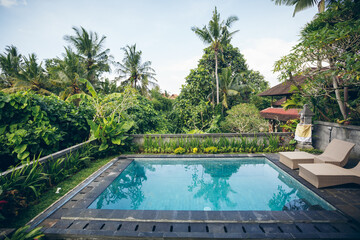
325	175
337	153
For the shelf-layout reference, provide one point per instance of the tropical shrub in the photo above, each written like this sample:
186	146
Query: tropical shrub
290	125
161	103
32	124
244	118
108	125
145	117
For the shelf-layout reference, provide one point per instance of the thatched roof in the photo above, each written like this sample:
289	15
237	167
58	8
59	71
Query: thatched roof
283	89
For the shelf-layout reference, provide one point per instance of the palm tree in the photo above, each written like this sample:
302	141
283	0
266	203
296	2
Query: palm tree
217	35
31	76
303	4
90	47
10	62
136	73
227	85
107	86
66	73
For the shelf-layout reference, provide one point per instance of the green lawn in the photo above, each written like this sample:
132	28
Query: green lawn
49	197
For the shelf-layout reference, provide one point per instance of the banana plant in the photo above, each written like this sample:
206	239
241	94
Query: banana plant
108	125
108	131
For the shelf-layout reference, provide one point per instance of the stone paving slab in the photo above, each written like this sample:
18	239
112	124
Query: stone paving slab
181	230
70	218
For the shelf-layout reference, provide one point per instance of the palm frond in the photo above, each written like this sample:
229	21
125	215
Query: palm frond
304	4
230	20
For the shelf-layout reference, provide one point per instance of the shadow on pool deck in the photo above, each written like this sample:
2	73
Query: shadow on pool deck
69	217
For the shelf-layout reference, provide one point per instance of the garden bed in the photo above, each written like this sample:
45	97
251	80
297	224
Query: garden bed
213	143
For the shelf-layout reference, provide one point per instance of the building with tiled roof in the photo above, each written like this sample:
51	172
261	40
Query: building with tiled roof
276	114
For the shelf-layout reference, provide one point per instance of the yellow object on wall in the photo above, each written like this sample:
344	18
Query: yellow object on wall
303	133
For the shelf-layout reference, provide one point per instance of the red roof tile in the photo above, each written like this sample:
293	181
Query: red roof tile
280	114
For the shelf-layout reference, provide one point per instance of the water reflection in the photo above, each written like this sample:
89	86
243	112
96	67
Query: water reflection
127	187
288	197
206	184
280	198
215	189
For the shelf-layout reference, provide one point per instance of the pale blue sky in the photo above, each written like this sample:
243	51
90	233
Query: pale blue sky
160	28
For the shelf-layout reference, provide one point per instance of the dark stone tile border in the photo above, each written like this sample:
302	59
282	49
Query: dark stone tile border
72	209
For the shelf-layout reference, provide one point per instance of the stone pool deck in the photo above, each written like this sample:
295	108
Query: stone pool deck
69	217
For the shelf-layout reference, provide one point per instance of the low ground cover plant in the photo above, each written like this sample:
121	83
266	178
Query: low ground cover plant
209	145
22	187
23	234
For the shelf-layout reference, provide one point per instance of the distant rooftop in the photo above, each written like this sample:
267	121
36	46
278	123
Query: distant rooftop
283	89
280	114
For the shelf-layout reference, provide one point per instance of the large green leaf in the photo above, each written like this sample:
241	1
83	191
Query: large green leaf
23	155
20	148
81	96
116	141
89	87
2	130
103	147
127	125
93	125
232	92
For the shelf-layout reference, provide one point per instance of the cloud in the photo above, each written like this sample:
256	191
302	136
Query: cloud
171	76
263	53
183	65
11	3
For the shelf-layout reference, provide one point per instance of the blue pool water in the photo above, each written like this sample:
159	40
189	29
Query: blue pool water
207	184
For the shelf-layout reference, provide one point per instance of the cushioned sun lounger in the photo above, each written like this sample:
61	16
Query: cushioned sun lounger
325	175
337	152
292	159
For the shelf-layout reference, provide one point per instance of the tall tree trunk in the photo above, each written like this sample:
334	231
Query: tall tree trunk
338	97
346	98
216	77
337	92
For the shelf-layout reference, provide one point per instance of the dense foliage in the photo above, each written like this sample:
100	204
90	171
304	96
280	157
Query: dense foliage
331	42
24	185
196	108
32	124
244	118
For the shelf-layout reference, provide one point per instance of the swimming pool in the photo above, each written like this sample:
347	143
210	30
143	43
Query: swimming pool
207	185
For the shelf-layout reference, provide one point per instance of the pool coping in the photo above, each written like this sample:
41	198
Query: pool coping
73	206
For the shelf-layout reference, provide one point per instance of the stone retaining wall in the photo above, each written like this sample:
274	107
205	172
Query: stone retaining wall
324	132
